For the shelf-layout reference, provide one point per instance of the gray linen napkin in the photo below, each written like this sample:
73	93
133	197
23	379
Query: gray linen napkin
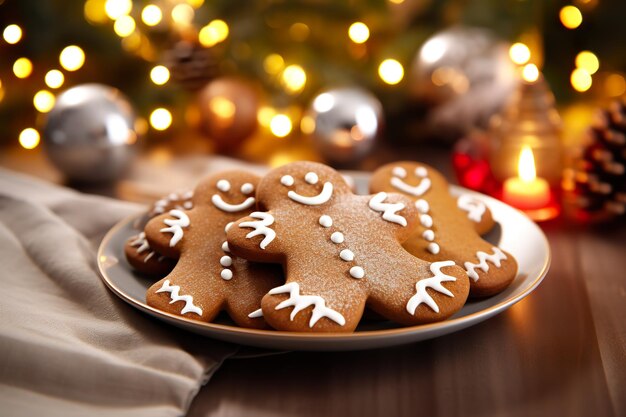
68	347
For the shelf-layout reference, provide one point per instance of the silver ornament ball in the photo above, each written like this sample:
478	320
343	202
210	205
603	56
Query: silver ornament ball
90	134
346	123
466	74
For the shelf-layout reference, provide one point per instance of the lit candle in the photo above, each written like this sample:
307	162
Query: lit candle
526	192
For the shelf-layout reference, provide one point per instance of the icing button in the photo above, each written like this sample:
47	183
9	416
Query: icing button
325	221
225	247
347	255
337	237
357	272
226	261
227	274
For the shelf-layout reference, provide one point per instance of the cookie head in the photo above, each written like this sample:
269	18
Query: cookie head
409	178
229	191
306	184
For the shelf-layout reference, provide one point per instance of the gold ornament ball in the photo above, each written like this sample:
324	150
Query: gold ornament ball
228	111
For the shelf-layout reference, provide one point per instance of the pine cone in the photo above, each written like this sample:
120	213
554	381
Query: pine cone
595	185
191	65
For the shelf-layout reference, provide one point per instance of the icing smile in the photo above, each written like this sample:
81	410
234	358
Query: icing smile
397	181
231	208
315	200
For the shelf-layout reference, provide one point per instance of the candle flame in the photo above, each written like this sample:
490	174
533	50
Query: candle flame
526	164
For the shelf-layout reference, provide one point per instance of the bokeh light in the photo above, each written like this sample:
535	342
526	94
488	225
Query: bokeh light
124	26
359	32
182	14
581	80
95	12
54	78
615	85
159	75
519	53
72	58
213	33
280	126
391	71
571	17
43	101
160	119
530	73
294	78
273	64
588	61
118	8
29	138
22	67
151	15
12	34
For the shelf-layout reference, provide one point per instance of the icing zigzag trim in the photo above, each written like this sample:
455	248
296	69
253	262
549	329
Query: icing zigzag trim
483	257
300	302
389	210
260	227
175	296
434	283
176	226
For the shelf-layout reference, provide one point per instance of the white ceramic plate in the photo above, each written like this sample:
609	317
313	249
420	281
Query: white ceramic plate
514	233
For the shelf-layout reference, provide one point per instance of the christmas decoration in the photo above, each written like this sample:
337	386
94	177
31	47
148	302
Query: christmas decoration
470	160
344	123
228	111
595	186
90	134
191	64
529	119
466	75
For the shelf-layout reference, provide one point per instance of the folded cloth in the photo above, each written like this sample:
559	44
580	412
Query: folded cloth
68	347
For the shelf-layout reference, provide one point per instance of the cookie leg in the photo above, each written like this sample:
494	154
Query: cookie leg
431	293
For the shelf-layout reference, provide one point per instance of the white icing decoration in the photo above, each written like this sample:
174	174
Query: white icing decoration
474	207
228	226
399	172
256	313
231	208
187	205
357	272
150	255
260	227
435	283
287	180
426	220
247	188
347	255
176	226
416	190
316	200
325	221
388	209
175	296
483	257
188	195
140	243
226	274
173	196
226	261
421	172
300	302
337	237
311	178
422	206
429	235
225	247
223	185
159	206
433	248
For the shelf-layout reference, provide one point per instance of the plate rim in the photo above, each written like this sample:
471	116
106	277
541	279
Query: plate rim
468	320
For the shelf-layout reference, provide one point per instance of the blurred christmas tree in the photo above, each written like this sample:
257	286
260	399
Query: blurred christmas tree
161	52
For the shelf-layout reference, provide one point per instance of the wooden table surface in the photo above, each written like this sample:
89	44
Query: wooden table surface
559	352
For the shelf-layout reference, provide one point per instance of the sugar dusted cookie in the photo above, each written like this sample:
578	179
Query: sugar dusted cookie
445	232
340	252
477	212
145	259
208	278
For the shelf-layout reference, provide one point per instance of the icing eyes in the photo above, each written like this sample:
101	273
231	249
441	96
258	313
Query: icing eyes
311	178
247	188
223	185
421	172
287	180
399	172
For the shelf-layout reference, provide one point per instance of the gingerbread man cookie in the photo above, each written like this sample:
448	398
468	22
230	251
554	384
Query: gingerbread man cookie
340	252
477	212
208	278
173	201
445	232
145	259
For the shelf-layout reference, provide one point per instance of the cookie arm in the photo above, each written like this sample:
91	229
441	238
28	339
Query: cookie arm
396	211
255	238
165	232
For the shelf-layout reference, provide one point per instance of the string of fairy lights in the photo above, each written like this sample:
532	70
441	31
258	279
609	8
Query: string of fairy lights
130	22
